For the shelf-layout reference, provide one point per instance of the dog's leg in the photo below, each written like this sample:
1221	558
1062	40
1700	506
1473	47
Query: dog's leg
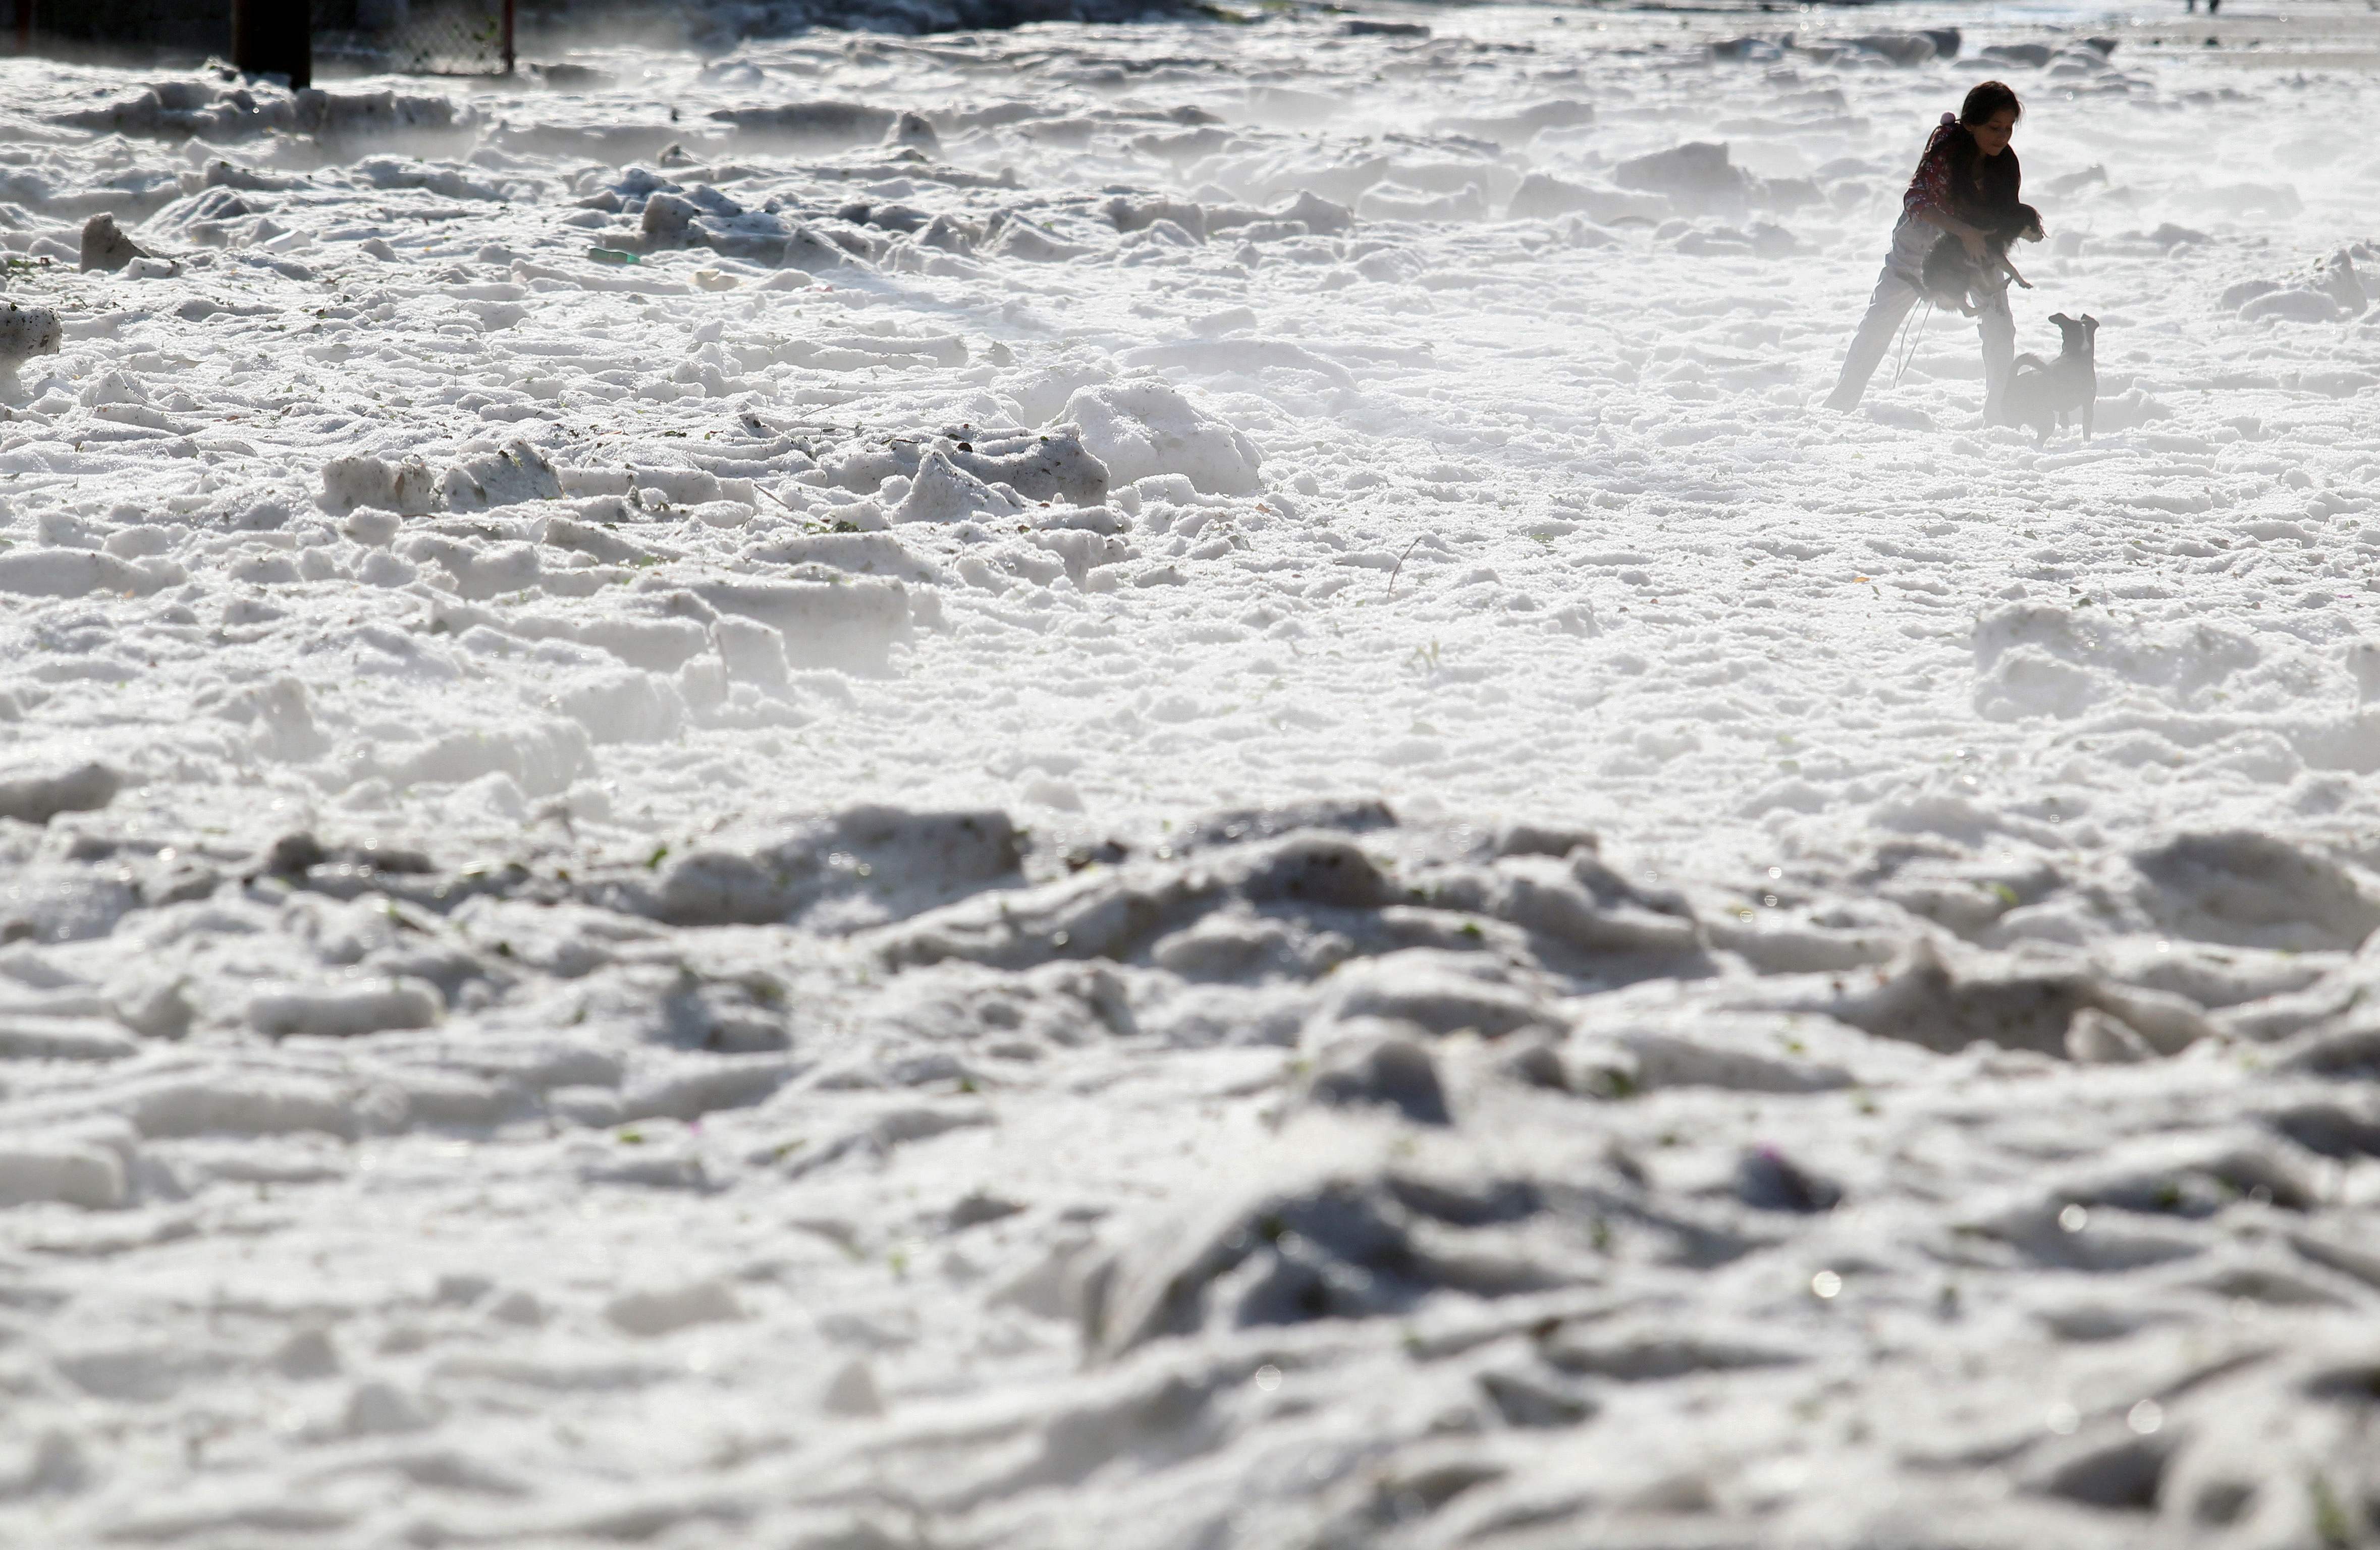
2013	273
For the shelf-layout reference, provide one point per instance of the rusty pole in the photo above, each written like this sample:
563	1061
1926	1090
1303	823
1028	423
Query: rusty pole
508	35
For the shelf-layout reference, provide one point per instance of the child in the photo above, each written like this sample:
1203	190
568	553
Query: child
1966	185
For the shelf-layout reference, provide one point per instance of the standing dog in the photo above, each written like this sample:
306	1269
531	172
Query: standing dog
2041	393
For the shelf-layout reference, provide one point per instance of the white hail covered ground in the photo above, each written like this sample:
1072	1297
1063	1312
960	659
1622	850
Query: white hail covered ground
1167	793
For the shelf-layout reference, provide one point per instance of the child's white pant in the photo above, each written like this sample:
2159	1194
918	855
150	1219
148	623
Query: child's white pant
1897	291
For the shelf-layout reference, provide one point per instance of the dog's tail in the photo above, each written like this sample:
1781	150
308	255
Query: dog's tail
2029	359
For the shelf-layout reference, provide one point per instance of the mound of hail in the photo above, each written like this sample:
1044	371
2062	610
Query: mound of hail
1158	786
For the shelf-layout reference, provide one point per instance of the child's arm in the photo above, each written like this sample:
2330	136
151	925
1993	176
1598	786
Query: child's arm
1928	198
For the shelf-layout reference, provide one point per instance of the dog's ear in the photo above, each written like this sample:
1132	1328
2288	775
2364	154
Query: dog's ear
2060	318
2090	322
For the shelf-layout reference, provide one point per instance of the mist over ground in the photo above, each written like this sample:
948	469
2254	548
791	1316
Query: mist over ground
1156	785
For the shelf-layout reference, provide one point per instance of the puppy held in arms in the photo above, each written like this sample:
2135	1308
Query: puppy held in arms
1953	278
2041	393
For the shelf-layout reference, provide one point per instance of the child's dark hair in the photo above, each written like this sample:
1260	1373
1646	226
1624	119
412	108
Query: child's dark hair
1987	99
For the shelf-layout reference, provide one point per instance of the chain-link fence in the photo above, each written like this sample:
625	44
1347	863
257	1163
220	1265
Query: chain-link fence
417	37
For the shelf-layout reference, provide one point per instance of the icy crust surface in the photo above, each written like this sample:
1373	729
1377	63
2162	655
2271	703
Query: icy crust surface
1164	794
